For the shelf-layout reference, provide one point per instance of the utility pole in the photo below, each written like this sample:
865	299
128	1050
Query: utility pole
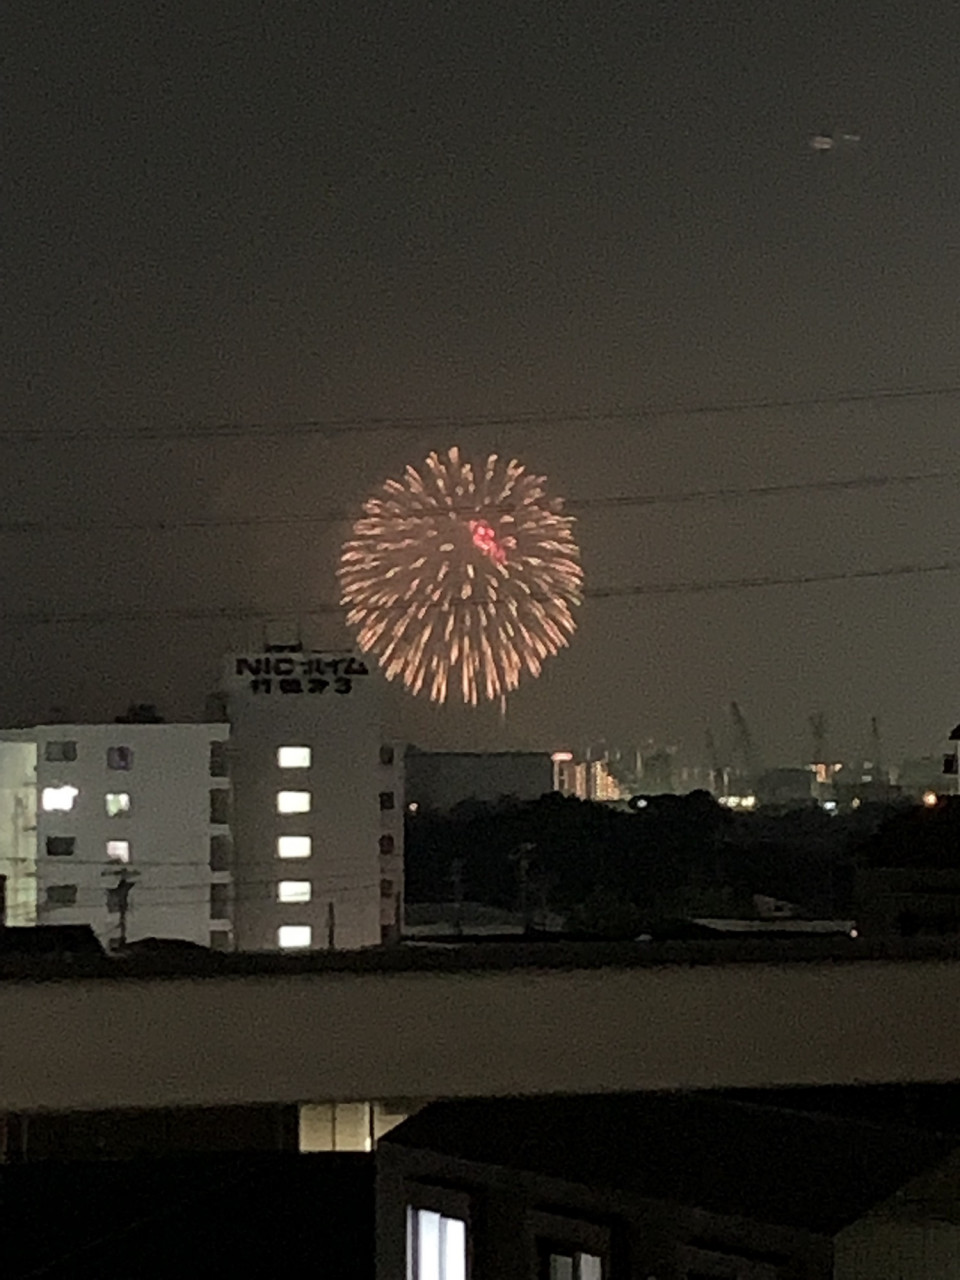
523	858
118	897
456	883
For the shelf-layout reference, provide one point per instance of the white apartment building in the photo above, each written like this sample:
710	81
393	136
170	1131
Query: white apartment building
120	826
318	802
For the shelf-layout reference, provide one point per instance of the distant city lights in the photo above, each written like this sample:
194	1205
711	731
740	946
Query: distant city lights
561	757
739	802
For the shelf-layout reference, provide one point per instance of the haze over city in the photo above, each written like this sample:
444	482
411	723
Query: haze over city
489	227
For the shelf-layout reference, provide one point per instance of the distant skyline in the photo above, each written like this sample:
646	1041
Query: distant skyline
497	212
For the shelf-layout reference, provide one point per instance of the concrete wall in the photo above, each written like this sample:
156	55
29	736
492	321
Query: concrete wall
288	1036
18	820
881	1249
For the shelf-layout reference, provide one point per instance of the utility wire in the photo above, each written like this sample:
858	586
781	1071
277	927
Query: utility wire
326	609
333	427
731	493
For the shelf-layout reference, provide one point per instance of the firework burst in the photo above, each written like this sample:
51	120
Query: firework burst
461	577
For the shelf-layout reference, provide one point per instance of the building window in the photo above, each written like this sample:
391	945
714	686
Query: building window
294	891
219	761
219	806
386	888
58	799
387	845
575	1265
386	800
386	753
118	850
293	802
120	758
219	940
221	853
61	895
294	937
294	757
61	846
117	803
436	1246
220	902
294	847
60	752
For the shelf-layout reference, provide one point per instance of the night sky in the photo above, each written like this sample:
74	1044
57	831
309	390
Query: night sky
278	214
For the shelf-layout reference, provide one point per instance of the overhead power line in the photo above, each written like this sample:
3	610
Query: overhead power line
332	427
729	493
679	587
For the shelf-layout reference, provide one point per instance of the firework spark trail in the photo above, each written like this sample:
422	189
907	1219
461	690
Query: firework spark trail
462	578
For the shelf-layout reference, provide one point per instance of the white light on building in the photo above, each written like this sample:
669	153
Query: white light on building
293	802
58	799
294	757
117	803
294	846
118	850
294	891
294	937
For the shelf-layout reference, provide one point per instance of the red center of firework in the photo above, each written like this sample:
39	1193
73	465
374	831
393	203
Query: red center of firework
485	540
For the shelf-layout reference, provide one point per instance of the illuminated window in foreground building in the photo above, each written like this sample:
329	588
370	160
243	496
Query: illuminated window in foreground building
58	799
575	1266
436	1246
293	757
118	850
293	802
294	847
294	937
294	891
117	803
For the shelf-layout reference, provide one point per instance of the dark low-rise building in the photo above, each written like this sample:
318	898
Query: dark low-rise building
643	1187
442	779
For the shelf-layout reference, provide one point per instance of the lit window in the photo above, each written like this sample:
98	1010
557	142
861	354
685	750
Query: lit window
61	895
58	799
575	1266
118	803
294	757
59	752
61	846
120	758
292	937
118	850
294	847
293	802
436	1246
294	891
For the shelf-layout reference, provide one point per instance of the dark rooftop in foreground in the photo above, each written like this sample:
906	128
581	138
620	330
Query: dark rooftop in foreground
778	1166
237	1215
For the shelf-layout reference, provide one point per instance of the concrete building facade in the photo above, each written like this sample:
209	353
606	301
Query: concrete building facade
117	826
318	803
